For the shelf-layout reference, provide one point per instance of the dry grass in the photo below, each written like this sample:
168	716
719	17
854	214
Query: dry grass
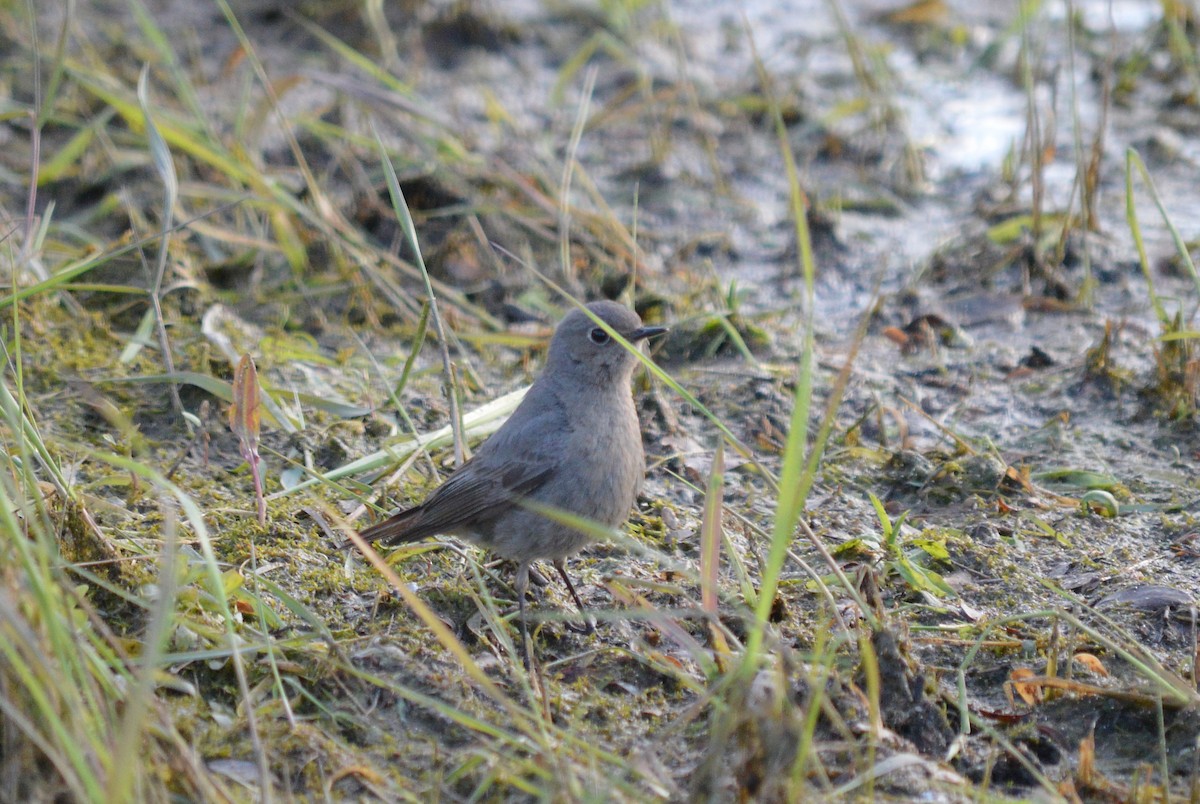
373	253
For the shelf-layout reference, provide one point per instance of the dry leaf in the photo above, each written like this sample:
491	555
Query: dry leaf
245	420
895	335
922	12
1030	693
1092	663
1086	770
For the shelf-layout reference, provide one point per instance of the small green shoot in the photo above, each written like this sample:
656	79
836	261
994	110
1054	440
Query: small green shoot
905	558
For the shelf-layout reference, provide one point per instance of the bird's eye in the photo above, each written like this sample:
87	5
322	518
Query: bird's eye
598	336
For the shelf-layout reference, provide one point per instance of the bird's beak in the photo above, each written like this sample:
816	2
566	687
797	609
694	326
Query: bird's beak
642	333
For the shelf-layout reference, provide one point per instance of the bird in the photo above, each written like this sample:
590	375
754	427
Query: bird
574	444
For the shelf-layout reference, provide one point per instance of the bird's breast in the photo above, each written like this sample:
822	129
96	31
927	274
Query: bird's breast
605	463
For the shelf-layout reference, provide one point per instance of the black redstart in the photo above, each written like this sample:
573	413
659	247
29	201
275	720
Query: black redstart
573	444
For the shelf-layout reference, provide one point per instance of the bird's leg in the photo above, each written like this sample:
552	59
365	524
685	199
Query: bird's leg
536	578
588	628
522	586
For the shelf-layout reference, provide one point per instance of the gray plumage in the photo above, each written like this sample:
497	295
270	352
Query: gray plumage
574	443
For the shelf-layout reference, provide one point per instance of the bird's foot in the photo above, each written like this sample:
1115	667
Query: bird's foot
588	628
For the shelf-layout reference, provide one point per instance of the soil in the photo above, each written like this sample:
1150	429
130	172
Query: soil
1012	399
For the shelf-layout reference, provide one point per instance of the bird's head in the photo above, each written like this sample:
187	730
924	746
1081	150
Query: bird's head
585	351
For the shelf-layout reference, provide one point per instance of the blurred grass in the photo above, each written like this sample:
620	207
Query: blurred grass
160	645
76	704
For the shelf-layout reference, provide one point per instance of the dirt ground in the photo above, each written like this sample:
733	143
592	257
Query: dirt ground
1019	396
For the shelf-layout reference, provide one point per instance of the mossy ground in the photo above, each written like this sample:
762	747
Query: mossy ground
1016	361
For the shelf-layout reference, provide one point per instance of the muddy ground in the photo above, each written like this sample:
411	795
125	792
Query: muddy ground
965	173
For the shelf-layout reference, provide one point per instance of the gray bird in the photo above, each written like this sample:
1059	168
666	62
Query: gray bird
574	444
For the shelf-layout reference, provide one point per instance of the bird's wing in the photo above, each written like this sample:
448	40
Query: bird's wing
480	494
515	462
476	493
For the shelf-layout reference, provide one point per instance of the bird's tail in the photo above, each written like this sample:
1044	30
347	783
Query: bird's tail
396	529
